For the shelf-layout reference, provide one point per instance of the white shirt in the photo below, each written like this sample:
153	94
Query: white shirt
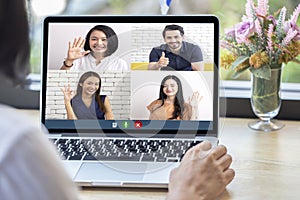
29	165
109	63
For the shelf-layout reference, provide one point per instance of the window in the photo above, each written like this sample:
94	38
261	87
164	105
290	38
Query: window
235	90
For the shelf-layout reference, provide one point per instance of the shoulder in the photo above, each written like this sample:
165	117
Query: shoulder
87	57
187	105
76	100
28	149
10	133
116	59
190	45
158	101
154	104
115	63
103	97
122	64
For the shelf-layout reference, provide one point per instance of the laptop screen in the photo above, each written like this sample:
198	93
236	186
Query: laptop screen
131	74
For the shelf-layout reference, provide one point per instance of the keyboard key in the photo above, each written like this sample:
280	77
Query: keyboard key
160	159
173	160
75	157
148	158
89	157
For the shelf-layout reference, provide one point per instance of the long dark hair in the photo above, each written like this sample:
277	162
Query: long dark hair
14	41
179	100
97	93
112	39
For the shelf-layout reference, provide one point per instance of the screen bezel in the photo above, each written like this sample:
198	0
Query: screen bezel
134	19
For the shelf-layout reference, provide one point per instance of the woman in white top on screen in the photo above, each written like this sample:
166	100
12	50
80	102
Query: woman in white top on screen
99	45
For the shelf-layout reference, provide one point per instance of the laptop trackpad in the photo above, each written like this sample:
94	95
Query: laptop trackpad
111	172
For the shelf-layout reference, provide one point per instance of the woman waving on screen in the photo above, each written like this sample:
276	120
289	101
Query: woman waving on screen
171	105
87	103
95	52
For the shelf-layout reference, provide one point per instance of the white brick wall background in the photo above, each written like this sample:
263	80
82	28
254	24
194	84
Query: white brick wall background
116	85
145	37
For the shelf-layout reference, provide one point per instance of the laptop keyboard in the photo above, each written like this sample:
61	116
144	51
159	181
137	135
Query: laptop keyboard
143	150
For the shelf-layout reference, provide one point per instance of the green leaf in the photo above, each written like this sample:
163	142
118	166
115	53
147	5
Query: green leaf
239	61
236	74
262	72
296	60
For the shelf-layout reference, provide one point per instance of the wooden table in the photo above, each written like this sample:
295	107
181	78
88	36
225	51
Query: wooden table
267	165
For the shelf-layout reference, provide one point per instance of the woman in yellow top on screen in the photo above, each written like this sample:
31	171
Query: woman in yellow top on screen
171	105
95	52
87	103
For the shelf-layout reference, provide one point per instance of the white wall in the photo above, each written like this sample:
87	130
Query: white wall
146	36
135	40
130	92
116	85
61	33
145	87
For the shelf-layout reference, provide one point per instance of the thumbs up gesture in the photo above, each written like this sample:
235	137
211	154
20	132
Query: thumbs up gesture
163	61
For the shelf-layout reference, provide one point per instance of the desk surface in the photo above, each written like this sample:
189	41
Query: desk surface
267	165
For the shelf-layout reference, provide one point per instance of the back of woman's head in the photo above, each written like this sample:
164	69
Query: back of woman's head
14	41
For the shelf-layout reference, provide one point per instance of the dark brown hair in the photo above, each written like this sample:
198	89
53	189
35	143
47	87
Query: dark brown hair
97	93
112	39
14	41
179	100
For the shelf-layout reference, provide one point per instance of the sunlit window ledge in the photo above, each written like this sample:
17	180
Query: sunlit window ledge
35	82
242	89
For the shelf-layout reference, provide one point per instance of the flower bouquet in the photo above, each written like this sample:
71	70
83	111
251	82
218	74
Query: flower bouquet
262	43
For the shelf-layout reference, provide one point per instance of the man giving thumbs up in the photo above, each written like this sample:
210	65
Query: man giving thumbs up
176	54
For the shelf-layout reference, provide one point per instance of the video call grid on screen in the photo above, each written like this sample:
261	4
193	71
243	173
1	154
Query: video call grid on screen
132	90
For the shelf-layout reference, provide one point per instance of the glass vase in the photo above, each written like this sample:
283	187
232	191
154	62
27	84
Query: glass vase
266	101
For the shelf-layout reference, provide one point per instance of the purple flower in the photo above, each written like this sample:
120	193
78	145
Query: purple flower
243	31
271	18
291	25
229	32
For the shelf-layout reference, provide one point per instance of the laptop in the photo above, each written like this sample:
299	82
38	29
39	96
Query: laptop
133	148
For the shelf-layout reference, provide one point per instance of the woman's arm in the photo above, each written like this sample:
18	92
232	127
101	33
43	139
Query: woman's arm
67	65
194	103
68	96
108	111
70	111
74	52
